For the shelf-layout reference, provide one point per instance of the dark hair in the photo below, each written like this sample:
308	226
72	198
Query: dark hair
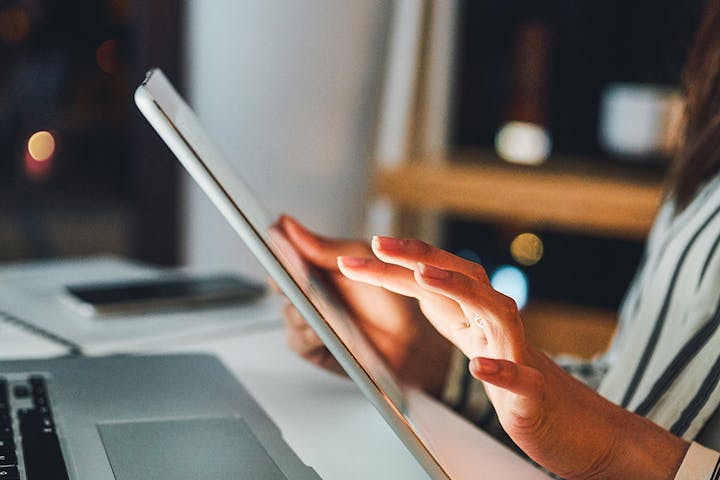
698	157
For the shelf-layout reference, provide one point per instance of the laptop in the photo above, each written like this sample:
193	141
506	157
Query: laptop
403	407
130	418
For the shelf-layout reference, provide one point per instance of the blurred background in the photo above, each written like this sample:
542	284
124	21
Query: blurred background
529	136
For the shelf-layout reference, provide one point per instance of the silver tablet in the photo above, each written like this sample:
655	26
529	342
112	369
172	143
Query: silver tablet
400	405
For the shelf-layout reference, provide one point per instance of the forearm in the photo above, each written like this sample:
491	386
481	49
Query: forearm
645	450
607	441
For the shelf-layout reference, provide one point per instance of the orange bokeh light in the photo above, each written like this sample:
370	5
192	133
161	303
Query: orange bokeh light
14	25
108	58
41	146
39	154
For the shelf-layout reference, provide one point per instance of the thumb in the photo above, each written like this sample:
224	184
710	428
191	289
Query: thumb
519	379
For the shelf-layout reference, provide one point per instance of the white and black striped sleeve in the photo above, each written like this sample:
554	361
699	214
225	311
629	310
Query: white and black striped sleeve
700	463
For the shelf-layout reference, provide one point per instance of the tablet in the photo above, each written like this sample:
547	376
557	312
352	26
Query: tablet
398	404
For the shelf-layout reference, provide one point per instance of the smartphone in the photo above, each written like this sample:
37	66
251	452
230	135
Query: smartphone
162	293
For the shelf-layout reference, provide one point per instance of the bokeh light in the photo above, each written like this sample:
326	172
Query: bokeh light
39	154
523	142
511	281
41	146
527	249
107	56
14	25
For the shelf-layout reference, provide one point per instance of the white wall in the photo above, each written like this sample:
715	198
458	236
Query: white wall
289	90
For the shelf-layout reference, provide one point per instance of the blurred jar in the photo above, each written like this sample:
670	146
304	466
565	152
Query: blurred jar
640	122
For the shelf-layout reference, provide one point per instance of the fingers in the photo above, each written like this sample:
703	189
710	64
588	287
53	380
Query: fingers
380	274
304	341
475	297
408	253
320	251
300	337
456	285
444	313
495	314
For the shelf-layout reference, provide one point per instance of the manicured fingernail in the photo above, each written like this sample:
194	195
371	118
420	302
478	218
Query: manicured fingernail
352	261
387	243
484	366
432	272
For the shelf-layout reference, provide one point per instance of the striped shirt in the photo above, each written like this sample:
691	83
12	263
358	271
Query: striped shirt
664	362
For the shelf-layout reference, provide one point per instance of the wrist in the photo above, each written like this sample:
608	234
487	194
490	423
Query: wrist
597	439
635	446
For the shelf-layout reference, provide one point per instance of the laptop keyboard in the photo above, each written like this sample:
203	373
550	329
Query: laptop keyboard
29	445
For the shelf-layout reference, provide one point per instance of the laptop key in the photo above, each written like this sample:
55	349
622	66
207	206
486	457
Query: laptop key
38	385
21	391
9	473
6	443
43	457
8	459
32	422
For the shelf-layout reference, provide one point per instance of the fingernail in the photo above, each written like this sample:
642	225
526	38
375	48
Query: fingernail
387	243
484	366
432	272
352	261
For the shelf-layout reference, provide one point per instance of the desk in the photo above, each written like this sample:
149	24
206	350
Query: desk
326	419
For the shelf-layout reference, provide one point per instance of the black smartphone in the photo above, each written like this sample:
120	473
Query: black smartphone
162	293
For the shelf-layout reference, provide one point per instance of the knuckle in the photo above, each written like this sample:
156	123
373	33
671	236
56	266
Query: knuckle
508	305
479	337
481	273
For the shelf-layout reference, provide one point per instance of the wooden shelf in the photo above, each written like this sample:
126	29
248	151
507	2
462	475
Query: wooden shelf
587	196
564	329
566	194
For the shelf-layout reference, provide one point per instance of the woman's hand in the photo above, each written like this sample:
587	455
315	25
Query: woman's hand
555	419
393	323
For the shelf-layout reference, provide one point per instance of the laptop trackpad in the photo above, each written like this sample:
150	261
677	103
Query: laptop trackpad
215	448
